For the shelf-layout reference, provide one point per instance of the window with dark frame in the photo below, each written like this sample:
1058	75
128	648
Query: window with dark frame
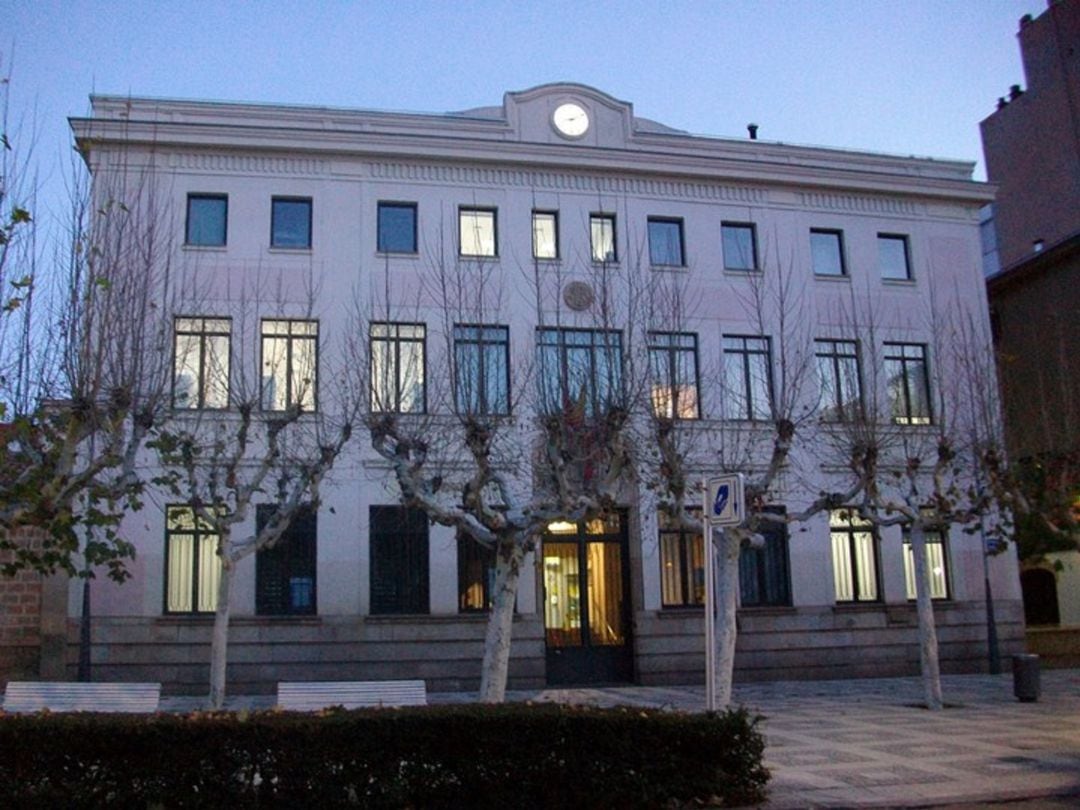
682	564
545	232
937	563
666	242
894	262
855	557
201	362
481	369
290	350
764	572
673	365
747	377
290	222
192	564
476	575
838	372
285	572
399	560
396	228
580	370
207	220
827	252
477	232
739	242
908	379
602	238
398	367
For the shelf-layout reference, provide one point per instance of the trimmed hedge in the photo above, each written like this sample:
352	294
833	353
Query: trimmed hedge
434	757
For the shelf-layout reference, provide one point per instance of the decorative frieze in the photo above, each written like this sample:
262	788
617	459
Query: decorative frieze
858	203
248	164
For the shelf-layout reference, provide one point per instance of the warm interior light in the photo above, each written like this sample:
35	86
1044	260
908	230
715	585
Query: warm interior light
562	527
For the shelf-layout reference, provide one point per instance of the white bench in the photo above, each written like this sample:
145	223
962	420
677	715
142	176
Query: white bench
306	696
67	696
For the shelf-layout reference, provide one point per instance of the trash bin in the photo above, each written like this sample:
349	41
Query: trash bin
1026	677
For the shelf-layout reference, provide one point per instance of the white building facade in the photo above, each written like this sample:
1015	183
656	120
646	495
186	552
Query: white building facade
300	215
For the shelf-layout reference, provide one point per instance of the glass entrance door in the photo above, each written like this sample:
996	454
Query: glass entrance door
586	602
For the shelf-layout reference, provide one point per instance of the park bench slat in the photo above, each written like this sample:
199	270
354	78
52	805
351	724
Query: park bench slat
313	695
67	696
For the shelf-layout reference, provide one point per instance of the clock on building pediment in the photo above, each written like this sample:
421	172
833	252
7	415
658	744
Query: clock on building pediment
570	120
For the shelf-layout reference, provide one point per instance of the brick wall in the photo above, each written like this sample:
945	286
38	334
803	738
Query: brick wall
20	623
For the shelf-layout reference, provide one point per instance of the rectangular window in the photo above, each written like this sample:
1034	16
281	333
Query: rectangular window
482	369
399	560
936	562
854	552
290	222
908	380
893	260
580	370
192	564
747	377
665	242
290	352
827	252
602	237
201	362
764	575
545	230
398	367
396	228
476	232
207	217
838	371
682	565
740	246
476	575
673	365
285	572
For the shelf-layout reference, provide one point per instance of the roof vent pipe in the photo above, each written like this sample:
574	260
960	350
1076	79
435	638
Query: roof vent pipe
752	129
1015	92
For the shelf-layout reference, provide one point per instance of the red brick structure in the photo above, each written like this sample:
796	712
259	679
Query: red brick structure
32	624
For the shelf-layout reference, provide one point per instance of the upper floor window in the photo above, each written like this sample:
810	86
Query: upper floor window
764	575
908	380
855	557
398	360
602	237
827	252
740	245
893	260
673	365
580	370
207	217
682	565
396	227
838	371
482	369
477	232
747	377
192	564
285	572
289	364
545	234
665	242
201	362
936	563
290	222
399	560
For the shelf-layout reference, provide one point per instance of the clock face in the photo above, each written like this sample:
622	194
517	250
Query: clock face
571	120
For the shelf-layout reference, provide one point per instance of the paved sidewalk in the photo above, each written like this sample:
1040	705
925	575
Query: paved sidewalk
868	743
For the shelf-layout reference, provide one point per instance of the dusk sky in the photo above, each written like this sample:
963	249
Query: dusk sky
897	76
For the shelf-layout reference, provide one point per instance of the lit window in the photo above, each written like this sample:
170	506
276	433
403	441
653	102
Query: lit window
665	242
908	381
682	565
747	378
201	362
602	237
476	232
827	253
936	564
207	215
545	225
673	366
192	564
398	368
290	222
740	246
580	370
838	371
854	552
289	359
893	260
482	369
476	575
397	228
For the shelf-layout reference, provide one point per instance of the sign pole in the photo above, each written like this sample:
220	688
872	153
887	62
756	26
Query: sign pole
710	617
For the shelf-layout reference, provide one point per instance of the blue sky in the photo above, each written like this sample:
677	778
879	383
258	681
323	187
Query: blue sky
898	76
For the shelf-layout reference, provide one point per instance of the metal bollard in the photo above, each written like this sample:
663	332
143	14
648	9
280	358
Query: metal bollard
1026	677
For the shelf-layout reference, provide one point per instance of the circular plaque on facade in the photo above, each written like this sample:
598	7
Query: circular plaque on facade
578	296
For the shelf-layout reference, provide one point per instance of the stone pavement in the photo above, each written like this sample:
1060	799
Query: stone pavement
868	743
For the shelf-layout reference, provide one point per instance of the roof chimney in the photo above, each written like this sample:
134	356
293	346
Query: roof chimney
1015	92
1002	103
752	129
1025	20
